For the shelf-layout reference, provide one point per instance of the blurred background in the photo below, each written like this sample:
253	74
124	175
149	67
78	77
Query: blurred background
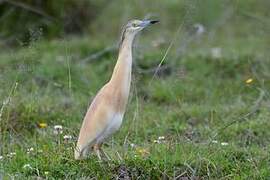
213	85
25	21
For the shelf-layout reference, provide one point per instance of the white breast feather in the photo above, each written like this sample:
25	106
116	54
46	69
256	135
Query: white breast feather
114	125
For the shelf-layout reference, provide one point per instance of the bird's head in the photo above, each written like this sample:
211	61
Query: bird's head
135	26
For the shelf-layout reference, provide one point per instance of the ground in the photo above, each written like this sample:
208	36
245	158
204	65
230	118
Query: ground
204	114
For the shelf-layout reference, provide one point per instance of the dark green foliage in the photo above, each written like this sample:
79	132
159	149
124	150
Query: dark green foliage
30	20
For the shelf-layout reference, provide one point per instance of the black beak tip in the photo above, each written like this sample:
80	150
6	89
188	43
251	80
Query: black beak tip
154	22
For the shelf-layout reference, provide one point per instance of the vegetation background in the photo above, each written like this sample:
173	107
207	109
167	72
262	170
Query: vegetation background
202	114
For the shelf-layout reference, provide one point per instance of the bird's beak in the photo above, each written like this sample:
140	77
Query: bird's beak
146	23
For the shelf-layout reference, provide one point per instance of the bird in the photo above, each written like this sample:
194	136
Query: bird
105	114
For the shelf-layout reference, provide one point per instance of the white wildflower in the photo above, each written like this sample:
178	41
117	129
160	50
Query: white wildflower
67	138
40	151
215	141
11	154
46	172
161	138
132	145
26	166
224	144
199	28
30	149
58	129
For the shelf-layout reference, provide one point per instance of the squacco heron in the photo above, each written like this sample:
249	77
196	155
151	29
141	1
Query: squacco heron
106	112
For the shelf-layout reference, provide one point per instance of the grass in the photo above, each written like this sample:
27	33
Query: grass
215	124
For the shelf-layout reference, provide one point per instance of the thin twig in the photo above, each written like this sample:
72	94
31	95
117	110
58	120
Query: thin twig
180	175
254	109
152	70
169	47
69	69
98	54
8	99
30	9
167	51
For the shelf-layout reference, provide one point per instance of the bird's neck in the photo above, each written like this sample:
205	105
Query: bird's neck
121	77
122	71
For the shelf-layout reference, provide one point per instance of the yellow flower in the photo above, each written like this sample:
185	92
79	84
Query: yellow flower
142	151
42	125
248	81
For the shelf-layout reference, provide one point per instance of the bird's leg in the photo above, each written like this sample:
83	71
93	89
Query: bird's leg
84	152
97	150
